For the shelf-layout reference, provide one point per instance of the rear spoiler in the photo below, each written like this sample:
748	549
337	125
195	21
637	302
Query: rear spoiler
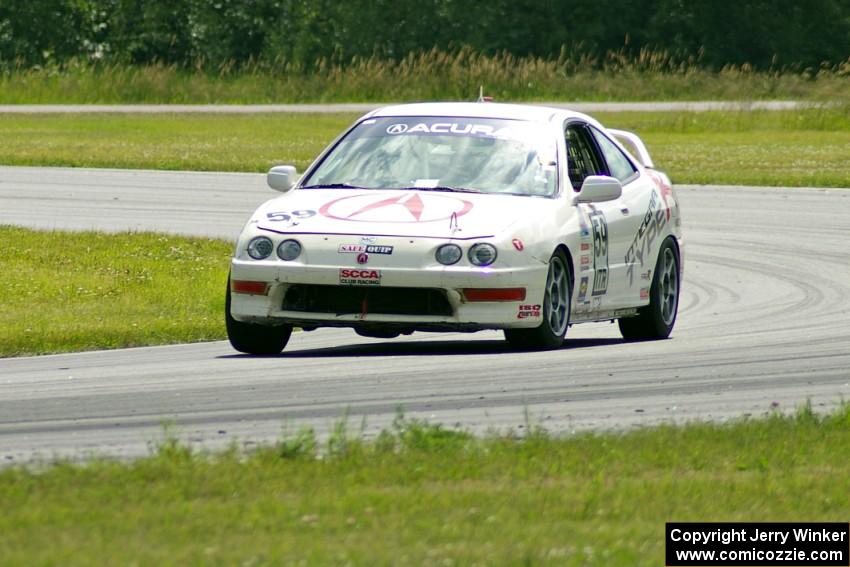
634	145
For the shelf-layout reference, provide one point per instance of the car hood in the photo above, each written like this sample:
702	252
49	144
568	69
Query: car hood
413	213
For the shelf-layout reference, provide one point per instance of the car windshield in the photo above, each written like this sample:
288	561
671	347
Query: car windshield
443	154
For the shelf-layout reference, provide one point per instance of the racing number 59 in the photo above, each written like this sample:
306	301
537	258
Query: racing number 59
600	252
283	216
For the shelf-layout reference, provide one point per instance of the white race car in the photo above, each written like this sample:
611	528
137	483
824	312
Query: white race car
462	217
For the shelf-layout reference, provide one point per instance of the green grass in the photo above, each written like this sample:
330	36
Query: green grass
66	292
204	142
793	148
421	494
432	75
797	148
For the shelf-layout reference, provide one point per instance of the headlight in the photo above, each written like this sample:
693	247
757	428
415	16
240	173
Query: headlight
448	254
260	248
482	254
289	250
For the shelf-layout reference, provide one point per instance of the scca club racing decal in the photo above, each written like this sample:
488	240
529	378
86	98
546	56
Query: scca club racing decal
650	227
353	276
599	228
527	311
407	207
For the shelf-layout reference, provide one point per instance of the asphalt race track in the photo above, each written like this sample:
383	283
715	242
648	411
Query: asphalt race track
764	325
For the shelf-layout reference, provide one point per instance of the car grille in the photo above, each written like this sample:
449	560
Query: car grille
384	300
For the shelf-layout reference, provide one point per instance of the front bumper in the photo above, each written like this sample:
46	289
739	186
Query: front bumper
456	313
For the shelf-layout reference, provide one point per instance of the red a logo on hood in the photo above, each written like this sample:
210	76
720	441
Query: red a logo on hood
408	207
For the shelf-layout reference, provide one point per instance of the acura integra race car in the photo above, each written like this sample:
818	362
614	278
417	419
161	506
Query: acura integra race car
462	217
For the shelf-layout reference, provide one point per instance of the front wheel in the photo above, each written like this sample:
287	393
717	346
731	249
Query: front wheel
656	320
556	310
251	338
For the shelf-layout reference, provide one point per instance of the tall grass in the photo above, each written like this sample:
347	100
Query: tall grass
430	75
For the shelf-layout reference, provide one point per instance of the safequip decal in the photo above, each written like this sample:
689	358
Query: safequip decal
361	248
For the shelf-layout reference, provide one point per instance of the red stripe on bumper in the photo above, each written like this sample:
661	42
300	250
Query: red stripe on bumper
253	288
494	294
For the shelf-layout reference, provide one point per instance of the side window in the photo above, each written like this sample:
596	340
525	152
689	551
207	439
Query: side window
619	165
582	159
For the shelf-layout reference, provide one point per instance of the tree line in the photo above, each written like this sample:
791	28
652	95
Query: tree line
220	34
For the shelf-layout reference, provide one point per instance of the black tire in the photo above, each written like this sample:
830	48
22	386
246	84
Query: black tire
251	338
556	310
656	320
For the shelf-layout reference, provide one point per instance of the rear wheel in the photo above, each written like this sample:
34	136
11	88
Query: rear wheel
656	320
251	338
556	310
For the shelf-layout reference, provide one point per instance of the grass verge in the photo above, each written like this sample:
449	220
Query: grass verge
205	142
798	148
421	494
430	75
66	291
794	148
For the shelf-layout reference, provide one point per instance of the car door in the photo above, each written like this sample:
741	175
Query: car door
611	224
594	269
631	266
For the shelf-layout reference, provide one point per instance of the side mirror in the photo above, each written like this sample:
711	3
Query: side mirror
599	188
282	178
